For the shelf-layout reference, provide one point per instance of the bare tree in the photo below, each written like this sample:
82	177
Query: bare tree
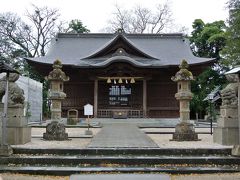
140	19
121	20
33	38
45	26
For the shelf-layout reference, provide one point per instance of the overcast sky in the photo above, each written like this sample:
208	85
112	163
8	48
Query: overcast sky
95	13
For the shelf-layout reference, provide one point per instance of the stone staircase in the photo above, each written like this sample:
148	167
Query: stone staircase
120	160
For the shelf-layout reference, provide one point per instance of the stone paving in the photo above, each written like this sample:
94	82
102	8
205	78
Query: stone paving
219	176
121	135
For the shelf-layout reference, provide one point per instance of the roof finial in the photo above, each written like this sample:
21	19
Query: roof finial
120	30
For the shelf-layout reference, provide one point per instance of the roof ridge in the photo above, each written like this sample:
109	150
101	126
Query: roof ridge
95	35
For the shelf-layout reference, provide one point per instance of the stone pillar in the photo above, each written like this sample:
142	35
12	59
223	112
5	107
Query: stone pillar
144	98
95	98
184	131
55	130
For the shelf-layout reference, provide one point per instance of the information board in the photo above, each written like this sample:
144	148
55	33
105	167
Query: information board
88	110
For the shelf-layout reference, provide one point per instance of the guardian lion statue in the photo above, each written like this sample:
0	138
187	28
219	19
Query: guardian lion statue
230	92
15	93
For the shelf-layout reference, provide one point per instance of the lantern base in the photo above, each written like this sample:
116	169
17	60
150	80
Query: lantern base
185	132
55	131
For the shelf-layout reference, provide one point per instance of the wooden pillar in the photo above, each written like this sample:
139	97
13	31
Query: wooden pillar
95	98
144	98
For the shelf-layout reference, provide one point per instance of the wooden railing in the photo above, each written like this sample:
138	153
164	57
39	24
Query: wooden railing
116	113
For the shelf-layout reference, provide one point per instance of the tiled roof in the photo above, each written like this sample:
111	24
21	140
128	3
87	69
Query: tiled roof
97	50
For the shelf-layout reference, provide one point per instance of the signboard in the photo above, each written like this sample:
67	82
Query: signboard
88	110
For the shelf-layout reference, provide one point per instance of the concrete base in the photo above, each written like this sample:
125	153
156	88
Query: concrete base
226	135
236	150
185	132
88	132
5	150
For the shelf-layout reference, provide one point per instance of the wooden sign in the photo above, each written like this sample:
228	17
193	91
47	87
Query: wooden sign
88	110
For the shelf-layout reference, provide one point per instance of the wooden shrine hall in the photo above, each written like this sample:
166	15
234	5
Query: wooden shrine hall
121	75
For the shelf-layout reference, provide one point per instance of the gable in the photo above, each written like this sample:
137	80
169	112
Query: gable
119	46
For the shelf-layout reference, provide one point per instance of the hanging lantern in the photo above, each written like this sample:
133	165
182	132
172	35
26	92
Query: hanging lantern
120	81
132	80
108	80
115	81
126	81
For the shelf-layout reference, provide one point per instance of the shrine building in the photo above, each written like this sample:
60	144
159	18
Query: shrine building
121	75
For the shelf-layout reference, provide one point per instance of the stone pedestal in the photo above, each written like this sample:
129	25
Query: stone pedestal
55	131
227	132
185	132
18	131
5	150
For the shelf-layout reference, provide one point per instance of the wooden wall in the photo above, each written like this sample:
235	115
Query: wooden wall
161	102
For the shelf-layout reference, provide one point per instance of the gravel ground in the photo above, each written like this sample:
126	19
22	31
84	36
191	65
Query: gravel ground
162	140
72	143
233	176
8	176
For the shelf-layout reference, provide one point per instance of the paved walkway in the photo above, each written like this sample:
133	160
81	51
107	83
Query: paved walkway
120	177
220	176
121	135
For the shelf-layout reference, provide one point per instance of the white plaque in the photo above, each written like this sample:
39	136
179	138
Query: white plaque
88	110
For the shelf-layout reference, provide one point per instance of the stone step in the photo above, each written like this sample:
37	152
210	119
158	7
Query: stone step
120	160
68	170
125	151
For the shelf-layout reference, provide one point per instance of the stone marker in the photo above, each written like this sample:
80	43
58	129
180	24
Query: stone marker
72	117
184	131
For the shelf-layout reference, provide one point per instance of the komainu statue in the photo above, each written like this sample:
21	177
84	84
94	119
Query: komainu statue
15	94
230	92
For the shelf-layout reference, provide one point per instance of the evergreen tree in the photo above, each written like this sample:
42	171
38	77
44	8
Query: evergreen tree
231	52
207	40
76	26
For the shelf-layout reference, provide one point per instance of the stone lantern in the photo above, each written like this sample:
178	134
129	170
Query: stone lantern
56	130
184	131
56	78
